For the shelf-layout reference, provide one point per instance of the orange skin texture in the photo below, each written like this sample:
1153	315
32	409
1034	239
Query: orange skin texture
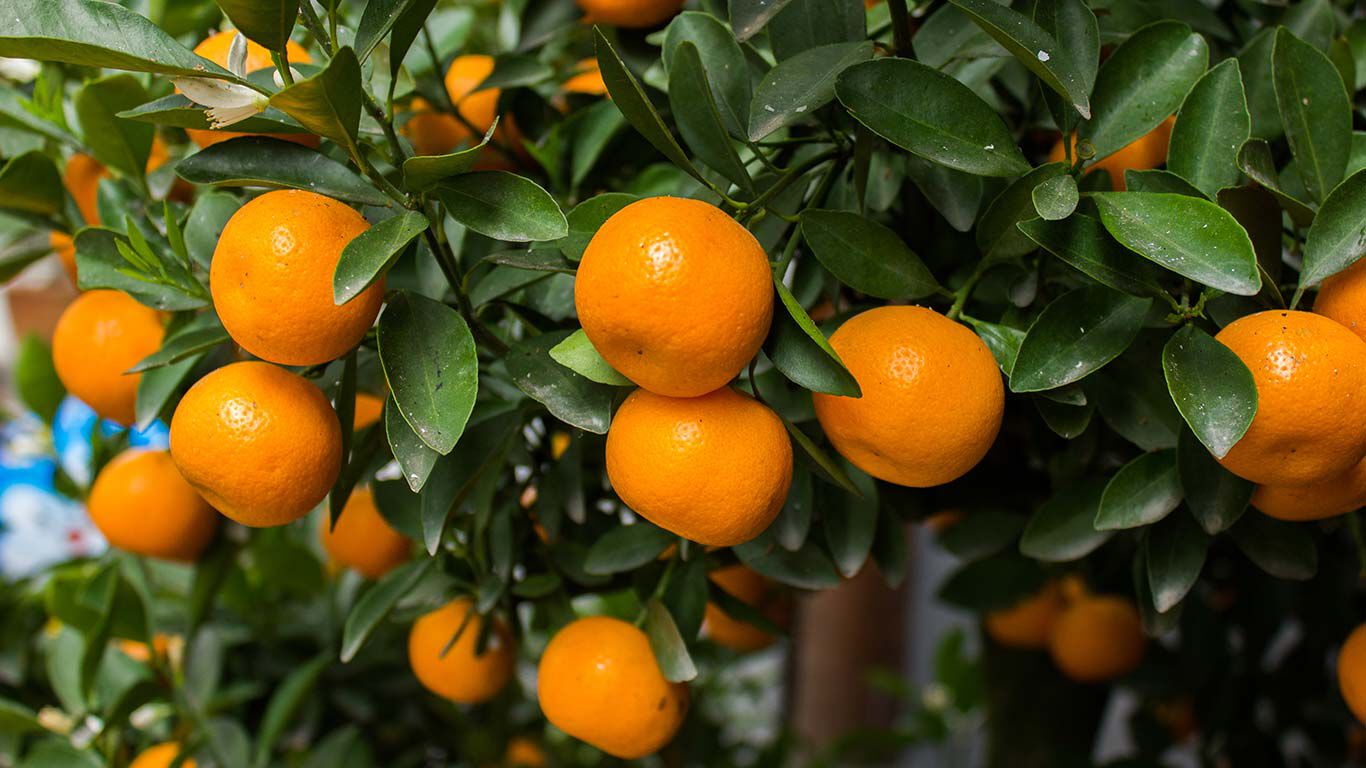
271	279
99	336
215	48
1317	501
142	505
161	756
1029	623
714	469
65	248
752	589
82	178
460	675
1310	374
598	681
369	409
633	14
1098	639
1144	153
675	295
362	539
932	397
1352	672
524	753
1342	297
262	444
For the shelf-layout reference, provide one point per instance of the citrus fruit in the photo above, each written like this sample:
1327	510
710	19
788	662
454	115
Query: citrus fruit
599	682
1352	672
932	396
215	48
82	176
715	469
633	14
456	671
675	295
524	753
369	409
1316	501
1098	638
1342	297
362	539
163	645
161	756
1310	374
1029	623
1146	152
271	279
65	247
142	505
262	444
587	79
99	336
464	75
754	590
432	132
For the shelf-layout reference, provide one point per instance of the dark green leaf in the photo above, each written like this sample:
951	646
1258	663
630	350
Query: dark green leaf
287	701
1315	111
503	206
1216	496
1210	129
30	183
799	349
955	194
365	259
850	523
1033	47
122	145
627	547
997	235
268	22
329	102
667	643
1056	198
1176	553
257	161
721	61
1082	242
423	172
1254	159
35	378
587	217
431	366
1077	333
807	568
866	256
100	265
571	398
176	111
799	86
1284	550
805	24
1337	238
1211	386
694	110
992	584
1061	530
981	532
187	343
414	457
747	17
377	602
1162	182
1003	341
1142	492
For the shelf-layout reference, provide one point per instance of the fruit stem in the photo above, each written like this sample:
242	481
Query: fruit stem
961	295
785	181
901	28
316	28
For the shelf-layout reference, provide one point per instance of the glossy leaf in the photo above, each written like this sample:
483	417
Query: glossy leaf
99	264
431	365
503	206
570	397
1210	129
667	643
423	172
1077	333
1211	386
1176	553
268	22
799	349
722	63
587	217
1033	47
748	17
30	183
627	547
799	86
119	144
1315	111
1216	497
256	161
377	603
1056	198
188	342
365	259
1142	492
997	236
415	458
694	110
1284	550
1083	243
578	354
955	194
1255	160
1061	530
1337	239
329	102
865	255
805	24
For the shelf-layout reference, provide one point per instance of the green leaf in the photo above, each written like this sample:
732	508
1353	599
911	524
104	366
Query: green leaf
587	217
1315	111
578	354
1160	182
17	719
1210	129
1061	530
1055	198
1176	553
1337	237
981	532
1075	335
1284	550
1083	243
188	342
369	255
850	522
720	60
799	86
801	352
1143	82
748	17
532	260
865	255
503	206
1190	236
1254	159
997	235
205	224
931	115
286	703
955	194
378	602
431	365
35	378
99	264
992	584
667	643
570	397
1033	47
805	24
695	112
415	458
176	111
1072	24
30	183
268	22
626	548
807	568
329	102
1066	420
257	161
1003	341
1142	492
1211	386
1216	496
423	172
409	23
378	18
61	754
122	145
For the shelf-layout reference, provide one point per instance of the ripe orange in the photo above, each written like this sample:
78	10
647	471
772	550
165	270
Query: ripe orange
82	178
215	48
752	589
1146	152
432	132
262	444
1316	501
675	295
369	409
363	539
462	78
1342	297
1098	638
715	469
1029	623
161	756
142	505
271	279
1311	398
932	396
633	14
1352	672
65	247
460	674
524	753
99	336
599	682
586	80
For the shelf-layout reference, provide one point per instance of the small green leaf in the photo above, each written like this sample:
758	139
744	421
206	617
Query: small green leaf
177	111
329	102
122	145
1033	47
587	217
722	61
1056	198
955	194
35	378
189	342
694	110
1176	553
850	522
365	259
423	172
377	603
431	365
1061	530
1337	238
570	397
1210	129
286	703
1254	159
997	235
1075	335
1082	242
99	264
1315	111
1003	341
627	547
799	86
268	22
992	584
257	161
667	643
415	458
799	349
30	183
503	206
1284	550
1216	496
866	256
1211	386
1142	492
578	354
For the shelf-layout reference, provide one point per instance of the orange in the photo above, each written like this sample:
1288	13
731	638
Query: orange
715	469
586	80
1029	623
262	444
271	279
1310	374
142	505
480	107
65	247
161	756
460	674
369	409
82	178
1342	297
524	753
599	682
1146	152
752	589
163	645
1098	638
1316	501
363	539
675	295
559	443
100	335
215	48
932	397
630	13
432	132
1352	672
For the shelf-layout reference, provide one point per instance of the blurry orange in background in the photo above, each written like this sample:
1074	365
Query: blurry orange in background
1144	153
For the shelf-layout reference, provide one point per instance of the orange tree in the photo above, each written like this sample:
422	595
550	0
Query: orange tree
523	337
